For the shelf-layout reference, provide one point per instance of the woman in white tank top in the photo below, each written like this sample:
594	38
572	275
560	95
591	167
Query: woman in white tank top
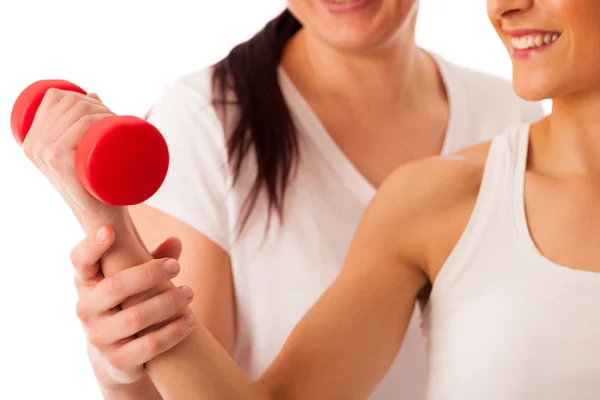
507	233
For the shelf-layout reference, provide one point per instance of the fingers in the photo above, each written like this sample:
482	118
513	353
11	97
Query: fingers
86	255
170	248
129	338
58	110
72	105
58	158
113	290
77	108
66	133
131	321
54	104
141	350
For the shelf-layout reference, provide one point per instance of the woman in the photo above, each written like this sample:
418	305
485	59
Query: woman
323	111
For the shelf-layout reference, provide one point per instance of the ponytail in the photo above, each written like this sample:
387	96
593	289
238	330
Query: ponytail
265	124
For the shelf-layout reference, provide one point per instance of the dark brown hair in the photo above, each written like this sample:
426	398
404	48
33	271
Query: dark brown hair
264	124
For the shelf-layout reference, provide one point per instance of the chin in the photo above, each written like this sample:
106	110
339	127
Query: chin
356	37
533	87
531	94
349	41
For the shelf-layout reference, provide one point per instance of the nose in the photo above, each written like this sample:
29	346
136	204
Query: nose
506	8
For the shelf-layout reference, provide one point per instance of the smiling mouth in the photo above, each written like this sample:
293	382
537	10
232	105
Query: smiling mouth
346	5
534	40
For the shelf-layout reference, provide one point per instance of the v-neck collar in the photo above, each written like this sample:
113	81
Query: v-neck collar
340	163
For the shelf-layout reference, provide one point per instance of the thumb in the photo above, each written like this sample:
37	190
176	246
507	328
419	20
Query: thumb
170	248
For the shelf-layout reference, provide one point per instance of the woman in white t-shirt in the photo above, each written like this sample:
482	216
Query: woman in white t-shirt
277	151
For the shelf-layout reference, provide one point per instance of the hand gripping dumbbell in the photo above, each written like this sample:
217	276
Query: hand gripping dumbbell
120	160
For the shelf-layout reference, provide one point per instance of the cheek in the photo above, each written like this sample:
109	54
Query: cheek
581	21
402	6
581	64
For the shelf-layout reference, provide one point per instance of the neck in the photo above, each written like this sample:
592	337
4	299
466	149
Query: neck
380	77
574	133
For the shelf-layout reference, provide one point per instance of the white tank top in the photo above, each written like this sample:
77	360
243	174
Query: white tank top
504	322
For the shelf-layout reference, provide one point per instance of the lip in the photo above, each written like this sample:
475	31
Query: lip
525	32
521	54
346	7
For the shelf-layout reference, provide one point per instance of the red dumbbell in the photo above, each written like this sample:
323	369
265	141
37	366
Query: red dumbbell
120	160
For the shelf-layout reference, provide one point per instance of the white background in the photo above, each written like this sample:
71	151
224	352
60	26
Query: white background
126	51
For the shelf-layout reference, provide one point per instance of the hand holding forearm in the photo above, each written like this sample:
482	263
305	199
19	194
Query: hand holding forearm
196	368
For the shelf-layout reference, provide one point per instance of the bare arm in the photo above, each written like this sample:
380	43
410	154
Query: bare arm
347	341
345	344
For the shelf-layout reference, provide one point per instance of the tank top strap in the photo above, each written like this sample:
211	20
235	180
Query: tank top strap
519	143
492	204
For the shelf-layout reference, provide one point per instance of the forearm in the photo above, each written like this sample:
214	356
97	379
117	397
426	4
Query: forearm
140	391
344	345
198	367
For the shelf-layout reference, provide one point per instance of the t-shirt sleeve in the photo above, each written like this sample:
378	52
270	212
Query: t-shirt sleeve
194	190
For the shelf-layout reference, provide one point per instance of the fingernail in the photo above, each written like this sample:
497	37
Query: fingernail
190	320
172	267
186	292
101	235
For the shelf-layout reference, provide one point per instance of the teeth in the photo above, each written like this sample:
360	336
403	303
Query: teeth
532	41
547	38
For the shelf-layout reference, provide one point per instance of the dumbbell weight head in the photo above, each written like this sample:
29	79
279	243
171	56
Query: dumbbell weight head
120	160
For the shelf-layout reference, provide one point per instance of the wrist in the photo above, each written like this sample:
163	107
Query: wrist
128	249
116	217
110	387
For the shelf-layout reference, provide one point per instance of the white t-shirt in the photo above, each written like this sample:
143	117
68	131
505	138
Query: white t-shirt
280	274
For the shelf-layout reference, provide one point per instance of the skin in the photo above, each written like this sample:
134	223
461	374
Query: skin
346	342
563	169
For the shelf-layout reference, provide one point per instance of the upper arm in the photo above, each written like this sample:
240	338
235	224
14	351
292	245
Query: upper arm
347	341
190	204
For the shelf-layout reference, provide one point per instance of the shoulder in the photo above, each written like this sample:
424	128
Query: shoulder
489	96
185	115
429	185
196	85
429	202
